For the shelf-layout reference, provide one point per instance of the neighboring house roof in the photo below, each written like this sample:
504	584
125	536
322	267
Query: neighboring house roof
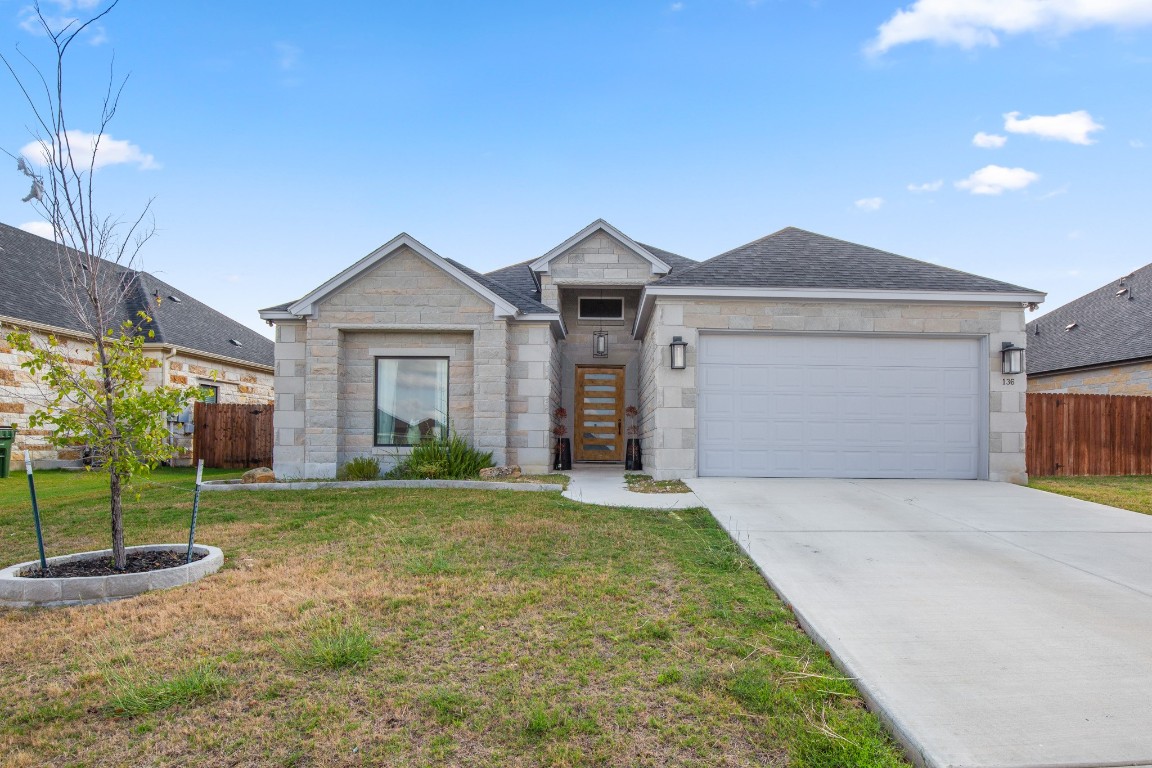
659	266
796	258
1113	324
32	280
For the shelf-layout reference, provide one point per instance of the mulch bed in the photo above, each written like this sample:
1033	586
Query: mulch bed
138	562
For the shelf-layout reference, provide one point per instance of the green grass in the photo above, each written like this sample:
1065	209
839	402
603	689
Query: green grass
1132	492
645	484
335	645
131	695
416	627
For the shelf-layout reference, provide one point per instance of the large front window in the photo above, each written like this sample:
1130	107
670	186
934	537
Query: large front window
411	399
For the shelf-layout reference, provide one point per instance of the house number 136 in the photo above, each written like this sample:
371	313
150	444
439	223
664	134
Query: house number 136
1008	382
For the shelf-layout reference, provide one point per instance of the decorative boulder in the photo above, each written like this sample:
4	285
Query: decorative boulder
492	473
259	475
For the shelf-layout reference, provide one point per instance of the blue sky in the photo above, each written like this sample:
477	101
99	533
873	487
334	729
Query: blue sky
283	141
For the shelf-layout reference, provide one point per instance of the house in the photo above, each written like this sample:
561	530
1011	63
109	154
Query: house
194	343
1098	344
803	356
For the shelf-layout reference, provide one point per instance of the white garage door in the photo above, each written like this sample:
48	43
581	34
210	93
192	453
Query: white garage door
839	406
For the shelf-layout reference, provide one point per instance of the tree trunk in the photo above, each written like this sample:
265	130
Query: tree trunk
119	556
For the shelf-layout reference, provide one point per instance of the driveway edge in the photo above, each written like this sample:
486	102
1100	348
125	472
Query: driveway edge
912	748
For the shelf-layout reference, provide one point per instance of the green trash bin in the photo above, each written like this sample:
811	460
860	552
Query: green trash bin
7	438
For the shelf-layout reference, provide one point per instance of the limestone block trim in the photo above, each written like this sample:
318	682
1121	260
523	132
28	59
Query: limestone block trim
543	264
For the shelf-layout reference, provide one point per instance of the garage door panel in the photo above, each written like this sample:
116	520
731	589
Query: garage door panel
840	406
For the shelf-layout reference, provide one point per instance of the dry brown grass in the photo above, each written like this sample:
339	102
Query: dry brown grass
509	629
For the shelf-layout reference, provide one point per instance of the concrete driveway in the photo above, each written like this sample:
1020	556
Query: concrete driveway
989	624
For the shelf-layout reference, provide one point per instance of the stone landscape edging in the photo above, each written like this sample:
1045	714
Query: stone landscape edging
314	485
22	592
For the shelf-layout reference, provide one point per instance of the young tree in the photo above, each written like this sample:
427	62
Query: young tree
102	399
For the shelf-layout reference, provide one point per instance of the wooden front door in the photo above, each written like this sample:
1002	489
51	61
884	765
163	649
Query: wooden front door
599	414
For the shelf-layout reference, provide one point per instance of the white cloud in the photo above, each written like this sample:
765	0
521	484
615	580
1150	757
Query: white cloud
1136	144
63	15
41	228
972	23
928	186
110	152
1060	190
995	179
988	140
287	56
676	7
870	204
1073	127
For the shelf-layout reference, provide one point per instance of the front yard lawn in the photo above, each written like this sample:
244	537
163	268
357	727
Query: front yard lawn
417	628
1132	492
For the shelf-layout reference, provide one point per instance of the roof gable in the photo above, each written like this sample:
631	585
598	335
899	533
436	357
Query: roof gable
658	265
501	306
797	259
1112	324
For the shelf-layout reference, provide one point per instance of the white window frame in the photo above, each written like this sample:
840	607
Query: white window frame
580	308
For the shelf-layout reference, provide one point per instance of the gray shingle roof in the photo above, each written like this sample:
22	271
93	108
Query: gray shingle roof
525	303
31	281
1109	328
795	258
676	261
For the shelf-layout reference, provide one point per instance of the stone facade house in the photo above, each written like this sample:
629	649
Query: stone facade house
802	356
1098	344
194	344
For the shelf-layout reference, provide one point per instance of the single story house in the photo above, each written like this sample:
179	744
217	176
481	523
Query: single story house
193	343
1098	344
797	355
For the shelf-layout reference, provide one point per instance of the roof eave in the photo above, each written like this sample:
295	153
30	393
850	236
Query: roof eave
827	294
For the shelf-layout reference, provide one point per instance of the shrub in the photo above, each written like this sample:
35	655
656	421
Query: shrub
360	468
449	458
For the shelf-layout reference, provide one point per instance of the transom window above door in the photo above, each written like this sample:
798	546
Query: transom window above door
601	308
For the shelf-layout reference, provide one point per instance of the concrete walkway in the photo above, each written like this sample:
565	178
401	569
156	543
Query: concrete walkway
989	624
604	484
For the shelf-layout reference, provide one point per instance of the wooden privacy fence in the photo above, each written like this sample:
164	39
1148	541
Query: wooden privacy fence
232	436
1089	435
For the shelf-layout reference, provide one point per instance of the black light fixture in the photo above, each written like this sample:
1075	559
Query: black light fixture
600	344
1012	358
679	349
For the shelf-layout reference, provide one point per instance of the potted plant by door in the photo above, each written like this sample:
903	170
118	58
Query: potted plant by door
633	459
563	460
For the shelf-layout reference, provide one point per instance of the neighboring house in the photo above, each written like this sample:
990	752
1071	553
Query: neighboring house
194	343
1099	344
805	356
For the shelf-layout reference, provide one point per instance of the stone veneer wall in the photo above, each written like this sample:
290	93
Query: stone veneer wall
404	294
598	258
1132	379
20	395
356	407
669	397
531	393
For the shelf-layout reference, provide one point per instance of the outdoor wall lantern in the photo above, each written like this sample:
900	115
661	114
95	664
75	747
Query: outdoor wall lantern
600	344
679	349
1012	358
